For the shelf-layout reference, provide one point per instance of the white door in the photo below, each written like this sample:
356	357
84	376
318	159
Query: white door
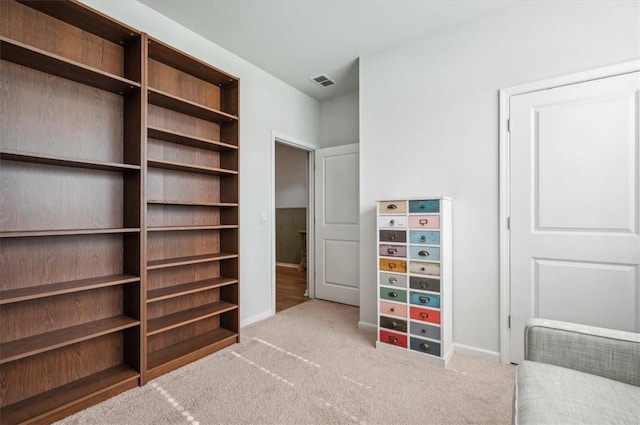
337	224
575	250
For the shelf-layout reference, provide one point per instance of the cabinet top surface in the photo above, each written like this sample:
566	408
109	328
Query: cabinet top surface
416	198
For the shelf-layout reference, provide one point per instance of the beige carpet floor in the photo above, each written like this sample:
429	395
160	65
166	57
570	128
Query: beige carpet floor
311	365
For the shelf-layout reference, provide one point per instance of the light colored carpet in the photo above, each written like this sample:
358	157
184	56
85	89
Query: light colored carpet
311	365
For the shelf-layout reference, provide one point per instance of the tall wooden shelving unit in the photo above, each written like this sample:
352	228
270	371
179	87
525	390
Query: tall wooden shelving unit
192	210
119	216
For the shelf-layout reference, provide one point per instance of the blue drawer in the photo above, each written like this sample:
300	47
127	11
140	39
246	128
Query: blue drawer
427	300
425	331
425	346
431	237
425	206
428	253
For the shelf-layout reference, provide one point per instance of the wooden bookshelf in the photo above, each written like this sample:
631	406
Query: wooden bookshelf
71	153
120	175
192	199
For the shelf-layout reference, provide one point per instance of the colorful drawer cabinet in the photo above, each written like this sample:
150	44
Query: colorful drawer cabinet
415	278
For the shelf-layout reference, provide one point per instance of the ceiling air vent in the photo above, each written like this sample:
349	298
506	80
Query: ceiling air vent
323	81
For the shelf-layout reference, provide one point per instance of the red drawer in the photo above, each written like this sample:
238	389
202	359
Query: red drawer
393	338
425	314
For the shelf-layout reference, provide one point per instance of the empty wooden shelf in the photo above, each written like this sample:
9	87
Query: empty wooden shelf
59	402
192	220
120	177
72	228
66	162
59	288
40	60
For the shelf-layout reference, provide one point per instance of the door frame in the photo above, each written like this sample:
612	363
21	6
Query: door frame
505	187
277	137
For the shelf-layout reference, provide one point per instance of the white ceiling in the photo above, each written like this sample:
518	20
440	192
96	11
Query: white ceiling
295	40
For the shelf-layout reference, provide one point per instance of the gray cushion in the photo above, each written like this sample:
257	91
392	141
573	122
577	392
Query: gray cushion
547	394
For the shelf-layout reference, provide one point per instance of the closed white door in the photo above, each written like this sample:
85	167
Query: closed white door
575	250
337	224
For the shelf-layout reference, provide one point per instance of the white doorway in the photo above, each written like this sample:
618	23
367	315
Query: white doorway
292	224
570	207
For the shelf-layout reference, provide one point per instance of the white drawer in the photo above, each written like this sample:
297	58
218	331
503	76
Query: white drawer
392	221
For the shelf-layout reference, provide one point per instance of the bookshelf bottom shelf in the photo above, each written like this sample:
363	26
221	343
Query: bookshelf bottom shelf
72	397
177	355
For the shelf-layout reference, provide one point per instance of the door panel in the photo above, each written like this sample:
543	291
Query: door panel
337	224
610	292
574	188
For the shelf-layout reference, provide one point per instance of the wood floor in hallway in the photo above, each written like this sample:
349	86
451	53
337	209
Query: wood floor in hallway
291	285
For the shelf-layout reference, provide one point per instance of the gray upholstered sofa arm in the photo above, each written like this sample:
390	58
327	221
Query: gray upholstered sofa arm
604	352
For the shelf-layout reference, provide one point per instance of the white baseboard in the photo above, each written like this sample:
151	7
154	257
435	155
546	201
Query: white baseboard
492	356
256	318
289	265
366	326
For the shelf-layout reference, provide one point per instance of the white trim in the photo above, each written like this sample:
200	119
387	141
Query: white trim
575	78
505	96
366	326
277	137
287	265
492	356
257	318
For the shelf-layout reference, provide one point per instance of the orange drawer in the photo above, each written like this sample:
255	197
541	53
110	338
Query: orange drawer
398	266
391	309
393	338
425	314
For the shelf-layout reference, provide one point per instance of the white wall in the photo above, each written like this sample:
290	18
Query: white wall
291	177
339	120
266	104
429	126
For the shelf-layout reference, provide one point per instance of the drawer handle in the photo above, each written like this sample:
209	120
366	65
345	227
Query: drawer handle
393	339
394	325
424	299
424	285
392	222
424	253
393	294
425	346
424	331
392	250
424	315
422	206
423	221
422	269
423	238
393	280
392	309
392	236
392	265
392	206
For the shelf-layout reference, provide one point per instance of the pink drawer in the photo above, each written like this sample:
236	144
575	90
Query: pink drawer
391	309
393	250
424	221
